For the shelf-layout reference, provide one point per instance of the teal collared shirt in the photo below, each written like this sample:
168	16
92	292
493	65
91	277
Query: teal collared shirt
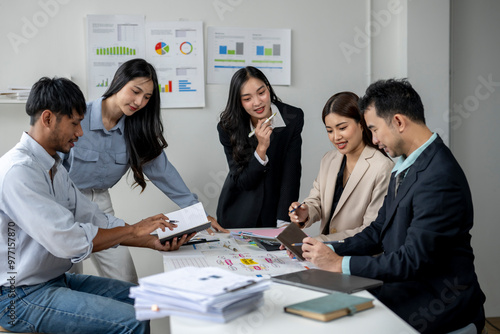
401	165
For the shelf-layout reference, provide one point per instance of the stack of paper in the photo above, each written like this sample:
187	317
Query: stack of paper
205	293
17	93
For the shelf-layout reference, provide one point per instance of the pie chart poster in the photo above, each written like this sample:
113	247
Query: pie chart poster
176	51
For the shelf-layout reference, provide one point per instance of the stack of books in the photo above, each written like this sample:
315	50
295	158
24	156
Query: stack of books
208	293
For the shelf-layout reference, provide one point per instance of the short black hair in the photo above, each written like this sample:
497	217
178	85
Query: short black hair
393	96
59	95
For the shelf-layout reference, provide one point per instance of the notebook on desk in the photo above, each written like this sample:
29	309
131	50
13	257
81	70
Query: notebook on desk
292	234
327	281
330	307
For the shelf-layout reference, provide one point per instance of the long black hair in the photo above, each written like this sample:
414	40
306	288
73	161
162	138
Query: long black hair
235	121
346	104
144	129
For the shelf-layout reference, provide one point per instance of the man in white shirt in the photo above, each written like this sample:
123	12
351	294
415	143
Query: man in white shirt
47	225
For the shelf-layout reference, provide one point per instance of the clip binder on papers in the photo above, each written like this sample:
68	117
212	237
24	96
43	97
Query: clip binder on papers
231	289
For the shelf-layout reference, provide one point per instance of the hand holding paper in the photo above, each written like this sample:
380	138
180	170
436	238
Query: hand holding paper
148	225
191	219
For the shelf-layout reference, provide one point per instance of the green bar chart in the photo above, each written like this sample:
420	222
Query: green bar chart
116	51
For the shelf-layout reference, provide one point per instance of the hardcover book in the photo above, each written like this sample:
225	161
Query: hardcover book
330	307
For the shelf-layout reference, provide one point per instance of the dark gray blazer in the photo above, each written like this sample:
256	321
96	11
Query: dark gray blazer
426	259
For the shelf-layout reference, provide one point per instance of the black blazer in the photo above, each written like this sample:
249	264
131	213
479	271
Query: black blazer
426	259
264	193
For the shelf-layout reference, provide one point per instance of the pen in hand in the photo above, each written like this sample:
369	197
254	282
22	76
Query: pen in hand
267	120
171	221
325	242
297	207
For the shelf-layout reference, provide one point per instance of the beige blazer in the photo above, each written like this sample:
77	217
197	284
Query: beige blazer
361	199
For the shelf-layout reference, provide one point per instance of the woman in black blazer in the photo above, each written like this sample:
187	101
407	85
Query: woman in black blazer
263	156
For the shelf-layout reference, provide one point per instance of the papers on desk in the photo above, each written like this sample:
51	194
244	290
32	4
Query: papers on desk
263	233
264	238
235	256
253	263
244	263
204	293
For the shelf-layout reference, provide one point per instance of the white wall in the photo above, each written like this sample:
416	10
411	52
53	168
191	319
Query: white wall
474	121
319	69
329	53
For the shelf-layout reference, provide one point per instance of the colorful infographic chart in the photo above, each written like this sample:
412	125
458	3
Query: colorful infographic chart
230	49
186	48
162	48
111	40
176	51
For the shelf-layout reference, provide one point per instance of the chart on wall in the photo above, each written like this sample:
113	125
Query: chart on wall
111	41
230	49
176	51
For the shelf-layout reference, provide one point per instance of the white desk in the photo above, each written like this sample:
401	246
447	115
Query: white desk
270	318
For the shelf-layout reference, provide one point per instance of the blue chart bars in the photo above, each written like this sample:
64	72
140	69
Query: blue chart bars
184	86
274	51
238	50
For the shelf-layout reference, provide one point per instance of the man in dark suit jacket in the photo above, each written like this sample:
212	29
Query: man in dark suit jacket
419	244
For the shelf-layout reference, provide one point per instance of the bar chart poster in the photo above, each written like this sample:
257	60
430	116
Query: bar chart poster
230	49
175	49
111	41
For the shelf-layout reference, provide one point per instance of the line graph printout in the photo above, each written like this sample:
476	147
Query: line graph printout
230	49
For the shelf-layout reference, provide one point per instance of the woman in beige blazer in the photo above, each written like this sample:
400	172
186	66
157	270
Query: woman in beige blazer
353	178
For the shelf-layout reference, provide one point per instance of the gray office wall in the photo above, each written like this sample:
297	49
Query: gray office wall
474	122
